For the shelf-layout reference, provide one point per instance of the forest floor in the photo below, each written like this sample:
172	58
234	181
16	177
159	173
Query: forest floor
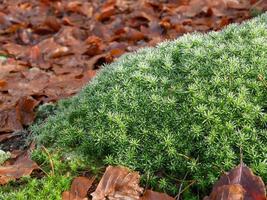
50	49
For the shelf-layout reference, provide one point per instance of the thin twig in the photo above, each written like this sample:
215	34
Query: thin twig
148	175
50	160
193	182
188	158
43	170
241	155
256	4
177	197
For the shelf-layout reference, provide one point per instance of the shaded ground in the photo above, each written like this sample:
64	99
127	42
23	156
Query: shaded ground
50	49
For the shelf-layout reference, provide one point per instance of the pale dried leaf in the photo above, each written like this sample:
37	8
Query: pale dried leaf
79	188
23	166
118	183
151	195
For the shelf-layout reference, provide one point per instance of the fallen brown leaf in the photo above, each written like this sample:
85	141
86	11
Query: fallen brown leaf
14	118
10	120
151	195
25	107
5	136
239	183
3	83
229	192
118	183
79	187
22	166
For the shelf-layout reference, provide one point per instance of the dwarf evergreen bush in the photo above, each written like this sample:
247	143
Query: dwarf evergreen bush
182	110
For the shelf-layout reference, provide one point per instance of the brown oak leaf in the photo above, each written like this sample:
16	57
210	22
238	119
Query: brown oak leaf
79	188
118	183
239	183
151	195
22	166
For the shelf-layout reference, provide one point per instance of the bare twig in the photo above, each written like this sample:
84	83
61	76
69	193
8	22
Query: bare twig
50	160
177	197
193	182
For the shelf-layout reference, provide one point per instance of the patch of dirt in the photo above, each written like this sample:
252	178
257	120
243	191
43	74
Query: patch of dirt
15	141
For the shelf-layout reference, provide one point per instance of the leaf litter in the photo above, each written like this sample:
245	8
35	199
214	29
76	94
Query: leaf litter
21	165
117	183
120	183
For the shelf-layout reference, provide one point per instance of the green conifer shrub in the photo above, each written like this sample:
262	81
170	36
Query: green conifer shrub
185	109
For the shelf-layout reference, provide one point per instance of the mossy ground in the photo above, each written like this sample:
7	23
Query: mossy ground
181	111
53	180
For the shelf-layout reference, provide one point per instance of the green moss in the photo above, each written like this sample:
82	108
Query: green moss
49	187
182	110
3	58
55	181
4	156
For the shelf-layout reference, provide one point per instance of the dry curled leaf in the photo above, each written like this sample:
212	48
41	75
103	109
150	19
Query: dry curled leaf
9	120
22	166
59	52
3	83
79	187
25	107
239	183
5	136
14	118
151	195
229	192
118	183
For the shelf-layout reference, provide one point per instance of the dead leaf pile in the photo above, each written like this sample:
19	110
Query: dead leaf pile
55	47
119	183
